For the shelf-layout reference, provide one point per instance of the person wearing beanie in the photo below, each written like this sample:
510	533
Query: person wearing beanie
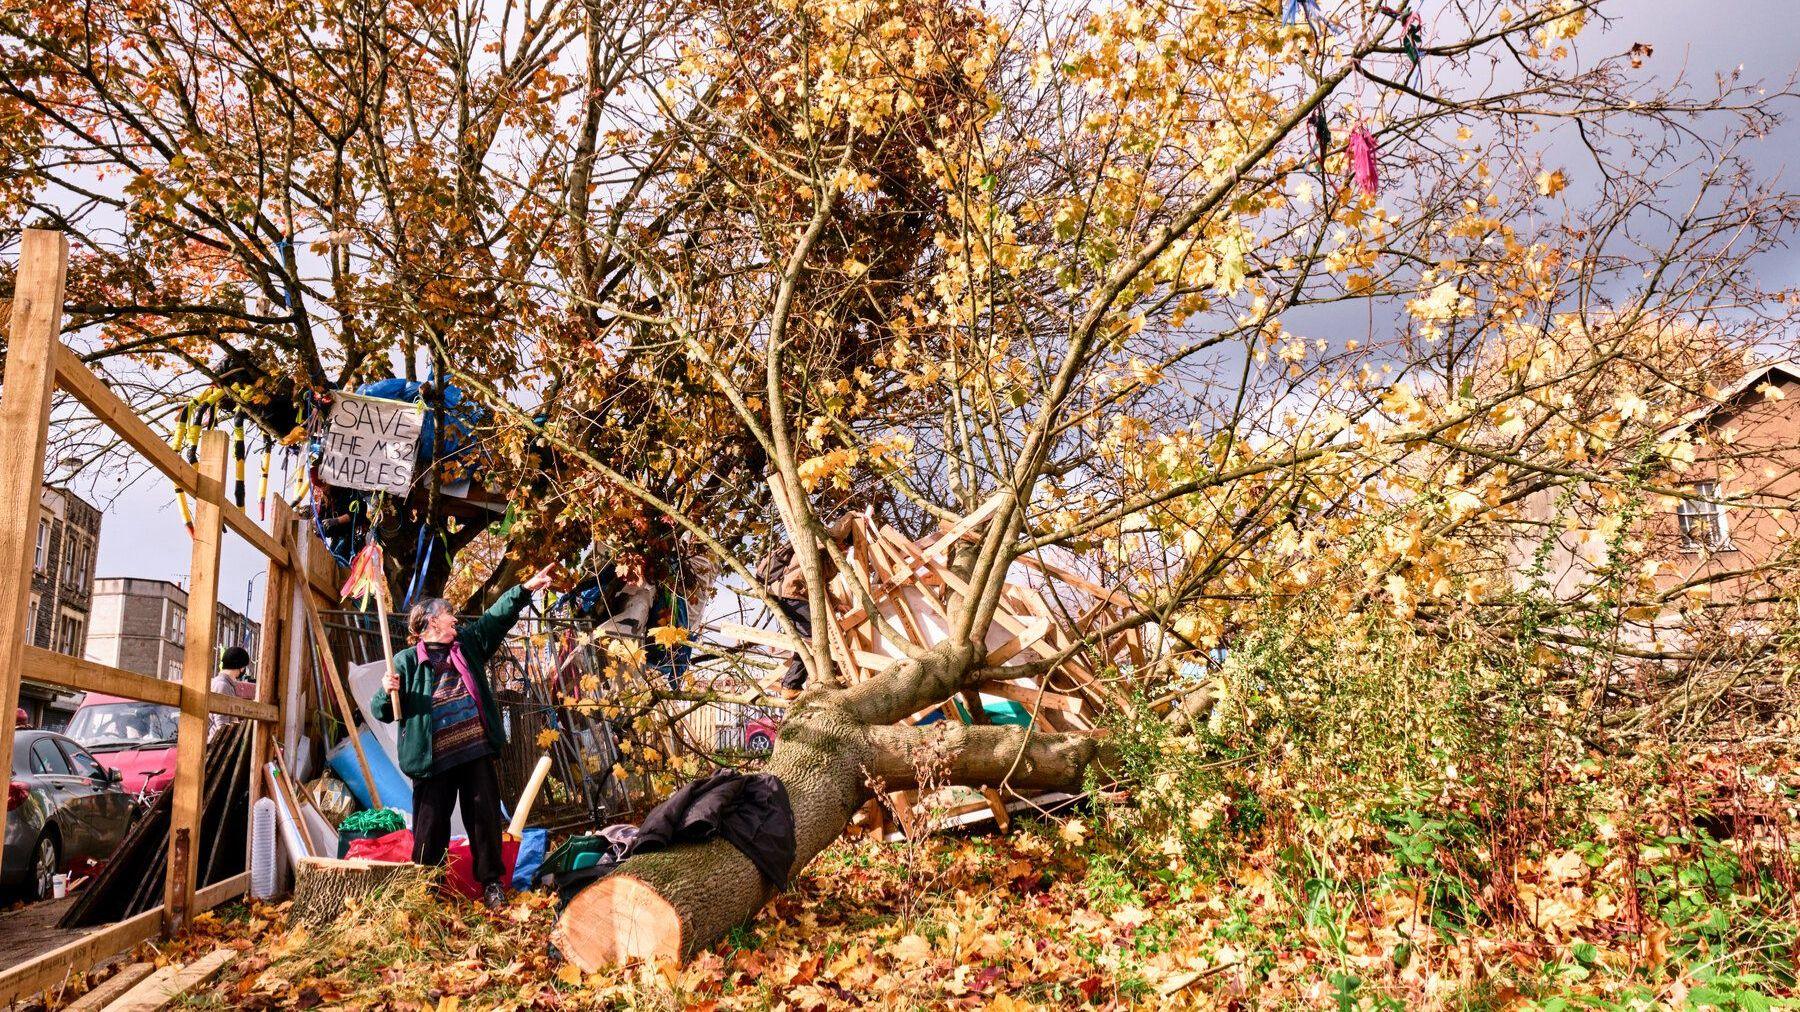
232	681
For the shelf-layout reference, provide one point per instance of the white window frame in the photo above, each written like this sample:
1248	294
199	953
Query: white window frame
1703	521
43	545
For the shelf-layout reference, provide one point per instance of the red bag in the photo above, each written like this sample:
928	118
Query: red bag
395	846
461	876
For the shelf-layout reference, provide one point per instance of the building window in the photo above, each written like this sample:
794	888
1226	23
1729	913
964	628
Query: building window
1702	520
71	635
173	673
32	619
74	561
177	631
43	546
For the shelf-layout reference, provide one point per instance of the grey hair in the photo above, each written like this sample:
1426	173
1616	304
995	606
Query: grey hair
422	612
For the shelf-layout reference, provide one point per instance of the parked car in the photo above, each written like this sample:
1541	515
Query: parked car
760	734
131	736
64	810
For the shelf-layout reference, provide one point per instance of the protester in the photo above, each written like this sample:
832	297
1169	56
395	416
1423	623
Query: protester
787	585
450	729
231	681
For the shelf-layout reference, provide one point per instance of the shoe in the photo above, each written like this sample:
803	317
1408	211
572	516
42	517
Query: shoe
493	897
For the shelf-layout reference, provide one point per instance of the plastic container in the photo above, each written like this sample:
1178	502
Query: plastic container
262	849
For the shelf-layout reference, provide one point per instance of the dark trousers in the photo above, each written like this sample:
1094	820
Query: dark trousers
434	797
799	612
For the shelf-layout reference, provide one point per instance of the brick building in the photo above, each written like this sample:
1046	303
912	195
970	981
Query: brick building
1731	538
62	584
1718	536
141	625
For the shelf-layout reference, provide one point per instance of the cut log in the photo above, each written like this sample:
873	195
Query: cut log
324	886
709	888
619	920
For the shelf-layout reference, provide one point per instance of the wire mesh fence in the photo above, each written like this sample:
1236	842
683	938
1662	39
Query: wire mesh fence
541	657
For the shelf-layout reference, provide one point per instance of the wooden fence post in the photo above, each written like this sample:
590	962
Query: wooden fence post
25	426
197	664
270	655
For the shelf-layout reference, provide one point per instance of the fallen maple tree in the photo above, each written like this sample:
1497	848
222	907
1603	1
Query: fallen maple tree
1092	353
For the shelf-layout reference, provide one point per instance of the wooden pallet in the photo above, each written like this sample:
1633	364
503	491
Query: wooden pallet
1045	609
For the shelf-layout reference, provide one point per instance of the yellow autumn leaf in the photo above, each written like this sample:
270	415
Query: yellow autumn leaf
911	949
1549	184
669	635
1073	831
569	974
548	737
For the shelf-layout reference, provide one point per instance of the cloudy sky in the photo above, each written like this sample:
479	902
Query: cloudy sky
142	534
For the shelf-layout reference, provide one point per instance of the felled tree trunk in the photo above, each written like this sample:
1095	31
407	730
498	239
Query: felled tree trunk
675	903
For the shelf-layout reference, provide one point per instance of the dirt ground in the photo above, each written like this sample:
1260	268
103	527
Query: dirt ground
29	929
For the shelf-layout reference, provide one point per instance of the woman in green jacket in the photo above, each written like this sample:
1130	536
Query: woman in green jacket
450	729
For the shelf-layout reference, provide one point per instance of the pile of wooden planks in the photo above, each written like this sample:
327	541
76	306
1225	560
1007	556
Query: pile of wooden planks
142	987
1045	609
132	881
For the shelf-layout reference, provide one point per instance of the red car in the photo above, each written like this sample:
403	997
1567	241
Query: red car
760	734
131	736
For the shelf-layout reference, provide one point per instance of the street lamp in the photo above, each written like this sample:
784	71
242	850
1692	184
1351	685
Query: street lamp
248	586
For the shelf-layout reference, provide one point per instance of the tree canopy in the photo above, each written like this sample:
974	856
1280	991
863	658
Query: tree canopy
1292	325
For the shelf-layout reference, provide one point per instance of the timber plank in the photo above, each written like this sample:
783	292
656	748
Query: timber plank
159	990
25	419
1030	695
34	975
111	988
197	661
89	676
81	383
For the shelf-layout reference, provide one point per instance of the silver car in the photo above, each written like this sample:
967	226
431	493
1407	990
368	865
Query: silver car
63	810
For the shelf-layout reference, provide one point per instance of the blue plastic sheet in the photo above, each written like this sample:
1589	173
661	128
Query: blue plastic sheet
395	788
531	857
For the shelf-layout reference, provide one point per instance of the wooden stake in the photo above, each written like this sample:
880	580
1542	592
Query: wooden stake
387	643
197	662
25	419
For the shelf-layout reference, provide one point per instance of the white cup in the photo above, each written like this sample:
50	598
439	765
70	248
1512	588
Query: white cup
59	886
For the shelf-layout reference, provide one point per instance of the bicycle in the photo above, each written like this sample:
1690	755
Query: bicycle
145	798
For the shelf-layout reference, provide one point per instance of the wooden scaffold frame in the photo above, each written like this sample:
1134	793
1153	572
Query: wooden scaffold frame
37	365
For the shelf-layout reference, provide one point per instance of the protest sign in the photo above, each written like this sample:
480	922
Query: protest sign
371	443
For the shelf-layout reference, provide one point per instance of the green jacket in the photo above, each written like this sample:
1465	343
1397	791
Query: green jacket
479	639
